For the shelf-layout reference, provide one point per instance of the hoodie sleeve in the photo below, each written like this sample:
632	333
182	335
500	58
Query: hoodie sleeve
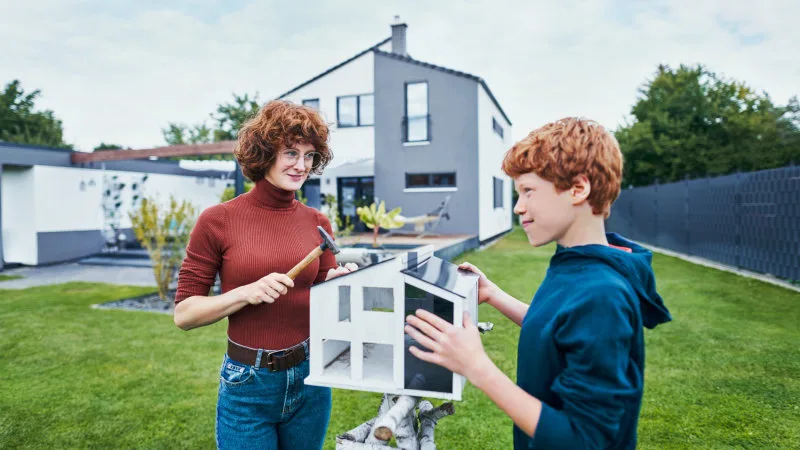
594	336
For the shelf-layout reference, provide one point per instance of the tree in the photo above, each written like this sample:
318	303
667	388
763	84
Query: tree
231	116
20	123
691	122
181	134
104	146
229	119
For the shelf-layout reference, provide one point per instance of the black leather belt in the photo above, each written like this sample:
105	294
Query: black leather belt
274	361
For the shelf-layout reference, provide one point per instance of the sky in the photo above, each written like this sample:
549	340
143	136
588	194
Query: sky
118	71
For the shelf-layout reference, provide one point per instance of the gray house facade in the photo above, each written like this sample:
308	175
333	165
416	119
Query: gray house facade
432	135
419	167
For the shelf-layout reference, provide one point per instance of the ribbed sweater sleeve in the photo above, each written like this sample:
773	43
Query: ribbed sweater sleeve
203	254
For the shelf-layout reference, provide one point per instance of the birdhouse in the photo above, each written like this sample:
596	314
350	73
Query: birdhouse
357	325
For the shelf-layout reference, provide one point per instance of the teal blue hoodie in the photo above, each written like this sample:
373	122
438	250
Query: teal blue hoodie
581	347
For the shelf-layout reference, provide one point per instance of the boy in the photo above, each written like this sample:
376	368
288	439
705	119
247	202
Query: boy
580	369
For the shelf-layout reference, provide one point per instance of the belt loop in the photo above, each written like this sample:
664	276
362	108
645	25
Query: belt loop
258	359
306	347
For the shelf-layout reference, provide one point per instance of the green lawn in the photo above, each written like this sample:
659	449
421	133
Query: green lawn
9	277
723	374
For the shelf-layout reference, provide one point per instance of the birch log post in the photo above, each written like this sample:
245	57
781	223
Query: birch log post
428	418
396	417
387	424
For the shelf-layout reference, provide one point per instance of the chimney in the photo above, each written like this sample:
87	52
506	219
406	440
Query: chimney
399	37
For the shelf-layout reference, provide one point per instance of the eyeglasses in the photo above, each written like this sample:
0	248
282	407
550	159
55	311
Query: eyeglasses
292	156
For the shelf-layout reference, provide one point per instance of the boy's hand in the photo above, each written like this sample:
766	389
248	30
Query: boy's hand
458	349
486	288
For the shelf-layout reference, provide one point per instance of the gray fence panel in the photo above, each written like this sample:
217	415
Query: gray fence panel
672	230
712	219
749	221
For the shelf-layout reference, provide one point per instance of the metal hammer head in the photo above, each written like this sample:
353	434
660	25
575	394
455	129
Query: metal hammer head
327	241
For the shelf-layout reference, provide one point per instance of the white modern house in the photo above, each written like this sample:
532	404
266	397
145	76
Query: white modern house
410	132
358	320
53	210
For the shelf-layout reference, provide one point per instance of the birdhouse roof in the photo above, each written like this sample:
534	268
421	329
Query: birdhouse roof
443	274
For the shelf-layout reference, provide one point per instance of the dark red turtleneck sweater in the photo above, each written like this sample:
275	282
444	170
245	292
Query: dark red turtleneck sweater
263	231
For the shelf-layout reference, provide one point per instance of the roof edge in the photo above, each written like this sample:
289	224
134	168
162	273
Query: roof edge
343	63
478	79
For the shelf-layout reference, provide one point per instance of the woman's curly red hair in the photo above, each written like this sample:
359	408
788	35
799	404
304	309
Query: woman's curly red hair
561	151
280	124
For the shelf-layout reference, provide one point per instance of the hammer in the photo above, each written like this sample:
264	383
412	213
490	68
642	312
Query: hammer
327	244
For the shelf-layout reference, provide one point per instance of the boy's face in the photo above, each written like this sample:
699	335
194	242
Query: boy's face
544	213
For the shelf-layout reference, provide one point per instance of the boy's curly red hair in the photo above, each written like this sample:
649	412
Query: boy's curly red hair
280	124
561	151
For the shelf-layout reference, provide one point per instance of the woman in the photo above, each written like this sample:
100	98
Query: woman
262	399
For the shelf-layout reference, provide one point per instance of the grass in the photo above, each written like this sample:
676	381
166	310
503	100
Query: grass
9	277
723	374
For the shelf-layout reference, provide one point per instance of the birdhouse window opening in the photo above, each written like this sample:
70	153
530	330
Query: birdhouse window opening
344	303
379	299
336	355
378	362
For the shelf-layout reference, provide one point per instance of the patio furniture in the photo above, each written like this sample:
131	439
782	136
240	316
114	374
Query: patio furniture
425	224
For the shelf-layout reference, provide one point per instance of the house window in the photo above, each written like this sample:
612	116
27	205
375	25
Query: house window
312	103
417	119
426	180
498	192
355	110
497	127
366	109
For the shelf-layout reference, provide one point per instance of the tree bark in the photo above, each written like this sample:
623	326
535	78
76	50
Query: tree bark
396	417
428	418
359	433
387	424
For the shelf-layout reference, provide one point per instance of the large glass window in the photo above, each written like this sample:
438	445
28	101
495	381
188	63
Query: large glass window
355	110
417	115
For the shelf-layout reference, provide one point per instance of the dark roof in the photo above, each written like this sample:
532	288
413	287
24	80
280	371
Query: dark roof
445	275
26	155
374	47
446	70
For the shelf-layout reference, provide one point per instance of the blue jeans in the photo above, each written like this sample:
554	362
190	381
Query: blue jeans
260	409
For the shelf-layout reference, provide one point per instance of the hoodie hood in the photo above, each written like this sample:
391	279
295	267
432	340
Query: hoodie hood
635	266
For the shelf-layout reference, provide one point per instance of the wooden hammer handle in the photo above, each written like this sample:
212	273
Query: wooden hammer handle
305	262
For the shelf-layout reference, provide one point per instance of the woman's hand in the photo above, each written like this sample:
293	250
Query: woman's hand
460	350
341	270
265	290
486	288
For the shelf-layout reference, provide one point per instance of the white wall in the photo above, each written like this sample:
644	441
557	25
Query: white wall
355	77
72	209
19	226
491	149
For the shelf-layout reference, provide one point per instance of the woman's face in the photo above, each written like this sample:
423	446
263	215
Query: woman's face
292	166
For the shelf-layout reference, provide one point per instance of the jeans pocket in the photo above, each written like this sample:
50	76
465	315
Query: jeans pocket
233	373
